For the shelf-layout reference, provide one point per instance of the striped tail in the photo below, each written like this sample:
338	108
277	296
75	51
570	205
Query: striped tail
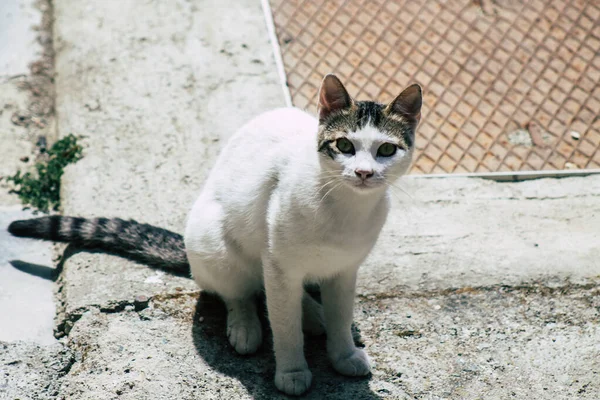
143	243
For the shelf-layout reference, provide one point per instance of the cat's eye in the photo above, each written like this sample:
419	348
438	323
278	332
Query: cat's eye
387	150
345	146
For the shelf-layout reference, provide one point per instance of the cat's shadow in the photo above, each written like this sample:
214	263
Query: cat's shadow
256	372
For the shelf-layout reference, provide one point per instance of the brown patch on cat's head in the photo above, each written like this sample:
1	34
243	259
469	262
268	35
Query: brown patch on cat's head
339	114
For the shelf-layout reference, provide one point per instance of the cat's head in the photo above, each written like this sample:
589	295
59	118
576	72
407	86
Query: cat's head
366	143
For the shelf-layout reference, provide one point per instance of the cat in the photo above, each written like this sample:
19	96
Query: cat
291	200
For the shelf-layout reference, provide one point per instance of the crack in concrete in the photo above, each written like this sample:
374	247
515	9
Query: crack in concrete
513	198
63	328
68	320
533	288
67	323
66	369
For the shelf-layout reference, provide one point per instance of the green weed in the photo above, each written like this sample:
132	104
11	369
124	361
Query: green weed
41	189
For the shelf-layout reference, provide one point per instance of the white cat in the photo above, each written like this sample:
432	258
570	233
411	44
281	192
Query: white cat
290	201
293	200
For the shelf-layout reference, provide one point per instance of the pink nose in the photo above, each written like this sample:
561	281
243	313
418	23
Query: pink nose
364	173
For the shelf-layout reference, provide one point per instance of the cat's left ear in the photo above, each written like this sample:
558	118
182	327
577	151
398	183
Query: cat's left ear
408	103
332	97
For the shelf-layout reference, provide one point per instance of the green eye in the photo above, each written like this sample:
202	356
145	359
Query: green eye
345	146
386	150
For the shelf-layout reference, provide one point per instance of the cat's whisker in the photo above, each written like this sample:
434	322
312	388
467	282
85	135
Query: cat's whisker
339	183
327	183
330	174
322	187
395	194
336	183
411	204
397	186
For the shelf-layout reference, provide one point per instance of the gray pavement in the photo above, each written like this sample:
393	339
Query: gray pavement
26	290
26	285
18	39
476	289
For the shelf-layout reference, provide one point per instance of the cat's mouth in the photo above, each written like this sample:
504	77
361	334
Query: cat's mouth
365	185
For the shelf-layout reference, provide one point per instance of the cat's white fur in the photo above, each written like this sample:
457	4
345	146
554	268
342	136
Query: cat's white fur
275	214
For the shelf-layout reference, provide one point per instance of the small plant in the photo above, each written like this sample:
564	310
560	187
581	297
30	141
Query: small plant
42	188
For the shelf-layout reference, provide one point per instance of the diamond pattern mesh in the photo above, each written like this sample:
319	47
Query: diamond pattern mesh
509	84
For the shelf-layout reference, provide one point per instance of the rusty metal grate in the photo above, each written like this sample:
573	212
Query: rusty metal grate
509	84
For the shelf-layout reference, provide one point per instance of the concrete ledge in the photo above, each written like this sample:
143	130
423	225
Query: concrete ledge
457	232
177	348
466	344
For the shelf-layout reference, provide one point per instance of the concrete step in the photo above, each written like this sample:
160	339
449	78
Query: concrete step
462	345
460	232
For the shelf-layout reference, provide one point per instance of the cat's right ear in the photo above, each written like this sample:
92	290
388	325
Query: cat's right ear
408	103
332	97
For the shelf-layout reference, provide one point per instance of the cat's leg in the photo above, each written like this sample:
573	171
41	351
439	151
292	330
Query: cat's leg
313	319
243	326
284	303
337	294
238	287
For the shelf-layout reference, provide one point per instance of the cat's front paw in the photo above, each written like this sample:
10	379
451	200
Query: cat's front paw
245	336
293	383
355	363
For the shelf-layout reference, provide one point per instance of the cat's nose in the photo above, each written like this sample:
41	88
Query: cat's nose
363	173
